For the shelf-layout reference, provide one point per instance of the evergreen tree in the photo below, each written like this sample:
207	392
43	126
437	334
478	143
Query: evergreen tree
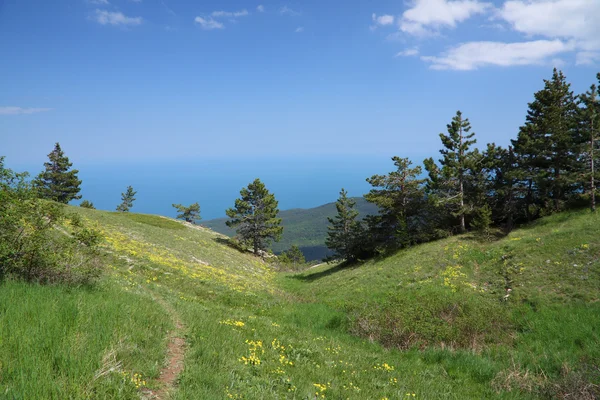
127	200
87	204
190	214
293	256
255	216
344	233
448	184
483	221
547	146
399	196
589	126
58	182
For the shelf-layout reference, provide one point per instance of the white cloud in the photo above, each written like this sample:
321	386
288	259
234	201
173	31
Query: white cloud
383	19
578	20
98	2
470	56
426	17
229	14
104	17
208	23
21	110
260	8
587	58
285	10
299	29
412	52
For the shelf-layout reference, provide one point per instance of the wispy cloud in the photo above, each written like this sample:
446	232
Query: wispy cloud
229	14
208	24
285	10
21	110
412	52
382	20
260	8
473	55
98	2
169	10
104	17
299	29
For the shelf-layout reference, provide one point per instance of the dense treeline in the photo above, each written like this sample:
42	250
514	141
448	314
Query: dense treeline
548	168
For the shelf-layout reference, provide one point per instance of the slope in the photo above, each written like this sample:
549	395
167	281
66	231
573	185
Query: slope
306	228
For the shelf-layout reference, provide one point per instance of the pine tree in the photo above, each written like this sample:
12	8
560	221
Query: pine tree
190	214
345	231
589	125
448	183
293	256
127	200
58	182
547	146
87	204
255	216
499	166
399	196
483	221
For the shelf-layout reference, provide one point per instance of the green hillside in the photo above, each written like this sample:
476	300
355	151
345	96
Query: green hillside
180	315
306	228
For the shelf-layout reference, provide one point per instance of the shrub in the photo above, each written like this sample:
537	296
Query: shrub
39	241
87	204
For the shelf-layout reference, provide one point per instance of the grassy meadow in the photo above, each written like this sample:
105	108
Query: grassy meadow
437	321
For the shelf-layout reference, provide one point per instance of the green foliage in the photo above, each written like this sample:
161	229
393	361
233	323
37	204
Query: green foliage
292	258
58	182
547	148
399	197
127	200
449	185
482	222
344	236
255	217
39	241
306	228
189	214
87	204
589	128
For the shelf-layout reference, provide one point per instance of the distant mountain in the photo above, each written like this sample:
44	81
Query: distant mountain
306	228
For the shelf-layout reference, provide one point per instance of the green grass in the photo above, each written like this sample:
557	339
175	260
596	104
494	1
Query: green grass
55	343
430	321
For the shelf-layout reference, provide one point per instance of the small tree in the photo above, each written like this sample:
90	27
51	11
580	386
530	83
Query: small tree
293	256
255	217
190	214
345	231
87	204
127	200
58	182
483	221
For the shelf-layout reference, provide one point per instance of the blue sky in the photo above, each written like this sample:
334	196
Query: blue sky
172	81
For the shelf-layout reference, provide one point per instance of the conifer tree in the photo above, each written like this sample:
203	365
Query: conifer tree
189	214
399	196
255	216
448	183
345	231
87	204
58	181
127	200
293	256
547	146
589	125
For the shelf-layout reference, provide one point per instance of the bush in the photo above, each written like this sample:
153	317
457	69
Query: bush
39	241
87	204
434	317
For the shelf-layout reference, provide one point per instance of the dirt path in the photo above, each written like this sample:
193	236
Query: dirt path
175	356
